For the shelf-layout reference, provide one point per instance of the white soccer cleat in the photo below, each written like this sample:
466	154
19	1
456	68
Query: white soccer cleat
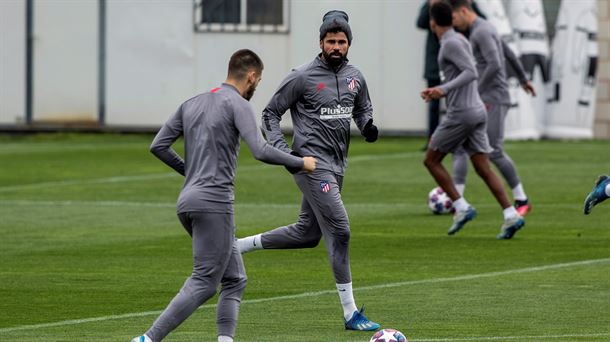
510	227
460	218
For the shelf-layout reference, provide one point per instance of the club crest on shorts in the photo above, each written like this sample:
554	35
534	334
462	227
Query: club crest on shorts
351	83
324	186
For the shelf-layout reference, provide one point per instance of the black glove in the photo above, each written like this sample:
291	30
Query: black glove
294	170
370	131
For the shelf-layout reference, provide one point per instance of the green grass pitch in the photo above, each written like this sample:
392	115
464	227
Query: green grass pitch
91	248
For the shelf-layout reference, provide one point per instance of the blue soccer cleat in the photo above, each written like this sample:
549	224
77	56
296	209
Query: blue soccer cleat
460	218
598	194
142	338
360	322
510	227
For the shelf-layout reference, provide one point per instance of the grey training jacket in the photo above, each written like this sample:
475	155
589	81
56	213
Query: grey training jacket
322	103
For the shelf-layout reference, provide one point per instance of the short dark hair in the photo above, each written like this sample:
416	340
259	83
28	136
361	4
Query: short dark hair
242	62
441	13
456	4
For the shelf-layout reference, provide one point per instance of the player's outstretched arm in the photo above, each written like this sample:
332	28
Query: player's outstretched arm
245	121
516	65
168	134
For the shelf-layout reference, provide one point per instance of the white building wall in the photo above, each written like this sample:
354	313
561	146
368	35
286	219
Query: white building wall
65	60
156	60
151	61
12	61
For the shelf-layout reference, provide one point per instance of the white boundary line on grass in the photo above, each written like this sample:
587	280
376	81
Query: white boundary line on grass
153	176
325	292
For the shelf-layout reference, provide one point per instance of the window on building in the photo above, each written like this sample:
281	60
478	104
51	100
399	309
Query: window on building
265	16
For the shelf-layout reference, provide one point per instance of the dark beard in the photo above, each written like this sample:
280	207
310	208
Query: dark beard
249	93
332	60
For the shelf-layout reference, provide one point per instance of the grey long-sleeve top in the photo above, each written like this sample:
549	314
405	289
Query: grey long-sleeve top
458	73
211	124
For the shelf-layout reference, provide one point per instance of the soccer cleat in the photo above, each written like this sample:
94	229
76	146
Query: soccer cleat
510	227
598	194
360	322
460	218
523	207
142	338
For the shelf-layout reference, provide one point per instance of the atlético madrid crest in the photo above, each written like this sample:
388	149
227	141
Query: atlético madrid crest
324	186
351	83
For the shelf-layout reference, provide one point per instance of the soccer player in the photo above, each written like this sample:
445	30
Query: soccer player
465	124
323	96
600	193
489	53
431	73
212	124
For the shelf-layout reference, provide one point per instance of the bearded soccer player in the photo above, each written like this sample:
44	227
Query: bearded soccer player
212	124
323	97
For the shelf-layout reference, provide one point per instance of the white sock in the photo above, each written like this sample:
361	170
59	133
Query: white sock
460	204
608	190
519	193
249	243
223	338
347	300
509	212
460	188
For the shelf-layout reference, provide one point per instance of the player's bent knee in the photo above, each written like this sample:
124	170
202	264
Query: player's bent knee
199	290
235	285
312	242
342	236
495	155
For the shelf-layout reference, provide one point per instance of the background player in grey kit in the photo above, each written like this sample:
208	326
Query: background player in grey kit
322	96
212	124
489	53
465	125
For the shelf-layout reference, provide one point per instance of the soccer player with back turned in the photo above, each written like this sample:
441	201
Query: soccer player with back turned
464	126
212	124
323	96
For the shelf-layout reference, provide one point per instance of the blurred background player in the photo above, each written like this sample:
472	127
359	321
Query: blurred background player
464	126
431	71
488	51
323	96
212	124
600	193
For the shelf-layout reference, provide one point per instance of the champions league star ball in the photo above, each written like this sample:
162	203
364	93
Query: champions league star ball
439	202
388	335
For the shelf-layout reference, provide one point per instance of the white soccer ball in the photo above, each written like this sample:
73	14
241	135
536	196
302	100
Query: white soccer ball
439	202
388	335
